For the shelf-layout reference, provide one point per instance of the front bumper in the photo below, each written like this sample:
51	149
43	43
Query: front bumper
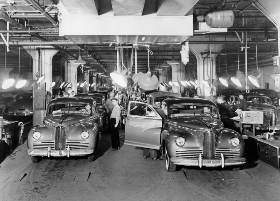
200	162
59	153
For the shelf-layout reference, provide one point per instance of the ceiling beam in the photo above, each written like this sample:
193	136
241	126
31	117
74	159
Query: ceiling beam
175	7
128	7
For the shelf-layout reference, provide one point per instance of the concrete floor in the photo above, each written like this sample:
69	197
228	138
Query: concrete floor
125	175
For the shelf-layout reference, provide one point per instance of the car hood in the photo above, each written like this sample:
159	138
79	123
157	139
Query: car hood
197	123
67	120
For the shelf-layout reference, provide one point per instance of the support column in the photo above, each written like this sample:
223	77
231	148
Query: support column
206	68
46	66
42	66
178	74
86	77
71	74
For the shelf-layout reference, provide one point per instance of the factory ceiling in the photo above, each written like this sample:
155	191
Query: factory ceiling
39	23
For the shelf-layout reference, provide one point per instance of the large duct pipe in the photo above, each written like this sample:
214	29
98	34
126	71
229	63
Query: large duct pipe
39	8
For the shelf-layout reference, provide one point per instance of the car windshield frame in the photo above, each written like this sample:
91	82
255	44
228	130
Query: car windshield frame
72	107
192	109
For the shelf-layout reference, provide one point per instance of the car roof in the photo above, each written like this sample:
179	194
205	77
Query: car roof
188	100
89	94
164	93
71	99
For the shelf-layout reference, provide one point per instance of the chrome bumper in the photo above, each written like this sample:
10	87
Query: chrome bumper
59	153
200	162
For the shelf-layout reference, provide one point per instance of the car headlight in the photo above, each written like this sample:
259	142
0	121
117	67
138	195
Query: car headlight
180	141
36	135
84	135
235	141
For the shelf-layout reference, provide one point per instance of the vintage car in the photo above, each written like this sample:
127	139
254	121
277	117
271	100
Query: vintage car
100	99
70	129
260	102
188	131
21	109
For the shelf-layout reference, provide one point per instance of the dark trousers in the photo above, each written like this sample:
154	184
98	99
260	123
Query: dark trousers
115	139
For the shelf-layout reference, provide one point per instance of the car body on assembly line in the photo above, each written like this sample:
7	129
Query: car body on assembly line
188	131
70	129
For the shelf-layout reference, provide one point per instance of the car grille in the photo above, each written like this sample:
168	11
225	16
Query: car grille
209	145
44	145
77	144
228	153
60	138
189	153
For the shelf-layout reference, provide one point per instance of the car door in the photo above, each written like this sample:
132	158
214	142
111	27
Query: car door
143	126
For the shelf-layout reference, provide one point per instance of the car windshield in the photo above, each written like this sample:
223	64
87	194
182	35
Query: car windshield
192	109
259	99
77	108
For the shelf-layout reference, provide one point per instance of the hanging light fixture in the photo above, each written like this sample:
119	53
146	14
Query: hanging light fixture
236	81
80	61
170	83
40	79
119	79
176	84
8	82
21	82
224	81
255	79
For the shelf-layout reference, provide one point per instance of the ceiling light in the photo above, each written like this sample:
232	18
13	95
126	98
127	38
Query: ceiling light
224	81
8	83
21	83
176	84
236	81
254	80
119	78
62	84
53	83
183	83
40	79
170	83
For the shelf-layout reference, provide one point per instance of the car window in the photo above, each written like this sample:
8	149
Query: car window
150	112
79	108
137	108
192	109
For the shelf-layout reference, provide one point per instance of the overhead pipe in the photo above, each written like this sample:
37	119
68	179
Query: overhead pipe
39	8
14	23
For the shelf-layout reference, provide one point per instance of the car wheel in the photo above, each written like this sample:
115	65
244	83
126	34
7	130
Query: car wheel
91	157
169	165
155	154
146	152
35	159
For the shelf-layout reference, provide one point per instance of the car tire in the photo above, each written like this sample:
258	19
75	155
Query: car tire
35	159
169	165
146	152
155	154
91	157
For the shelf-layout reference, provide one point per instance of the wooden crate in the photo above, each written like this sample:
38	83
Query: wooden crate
268	151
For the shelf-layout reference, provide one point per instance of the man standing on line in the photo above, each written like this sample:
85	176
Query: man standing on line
109	107
115	122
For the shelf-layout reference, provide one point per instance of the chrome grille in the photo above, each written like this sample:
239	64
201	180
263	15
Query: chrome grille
60	138
209	145
77	144
227	152
44	145
189	153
